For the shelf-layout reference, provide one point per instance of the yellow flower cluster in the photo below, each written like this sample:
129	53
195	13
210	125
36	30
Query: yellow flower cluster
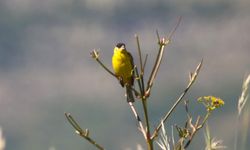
211	102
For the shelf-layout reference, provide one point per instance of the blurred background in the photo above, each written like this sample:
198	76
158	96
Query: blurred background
46	68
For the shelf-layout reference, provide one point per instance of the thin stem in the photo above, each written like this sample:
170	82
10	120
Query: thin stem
142	85
194	76
82	133
73	122
204	120
158	36
156	65
149	140
139	51
138	78
95	55
105	67
176	26
141	65
91	141
162	42
144	64
144	104
138	119
197	128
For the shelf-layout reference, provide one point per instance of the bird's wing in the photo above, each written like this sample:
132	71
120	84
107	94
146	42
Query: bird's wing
132	63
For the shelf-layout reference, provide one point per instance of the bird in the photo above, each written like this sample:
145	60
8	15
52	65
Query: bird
123	64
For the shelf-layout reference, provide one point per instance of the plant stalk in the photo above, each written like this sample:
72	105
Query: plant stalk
149	140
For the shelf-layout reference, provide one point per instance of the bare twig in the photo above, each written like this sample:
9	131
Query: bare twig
142	89
155	69
145	110
196	128
139	51
162	43
138	78
158	36
138	119
144	103
193	78
95	55
144	64
176	26
82	133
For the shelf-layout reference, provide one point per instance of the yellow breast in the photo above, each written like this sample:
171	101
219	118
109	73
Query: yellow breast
122	65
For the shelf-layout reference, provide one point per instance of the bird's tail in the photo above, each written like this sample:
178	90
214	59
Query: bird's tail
129	94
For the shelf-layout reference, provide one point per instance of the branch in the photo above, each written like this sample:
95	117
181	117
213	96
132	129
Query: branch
145	111
141	128
144	64
193	78
139	80
82	133
142	67
196	128
139	52
162	43
95	55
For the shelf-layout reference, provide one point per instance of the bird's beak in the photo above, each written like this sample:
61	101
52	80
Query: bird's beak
123	47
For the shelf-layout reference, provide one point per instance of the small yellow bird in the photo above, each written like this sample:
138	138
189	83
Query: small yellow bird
123	65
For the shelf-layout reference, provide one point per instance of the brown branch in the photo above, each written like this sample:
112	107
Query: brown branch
142	88
155	69
196	128
194	76
144	64
145	111
138	78
141	128
82	133
95	55
176	26
139	51
162	43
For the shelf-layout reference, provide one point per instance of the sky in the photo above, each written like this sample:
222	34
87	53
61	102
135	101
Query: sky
46	68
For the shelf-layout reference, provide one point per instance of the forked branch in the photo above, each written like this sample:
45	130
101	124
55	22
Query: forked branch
162	43
82	133
192	80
